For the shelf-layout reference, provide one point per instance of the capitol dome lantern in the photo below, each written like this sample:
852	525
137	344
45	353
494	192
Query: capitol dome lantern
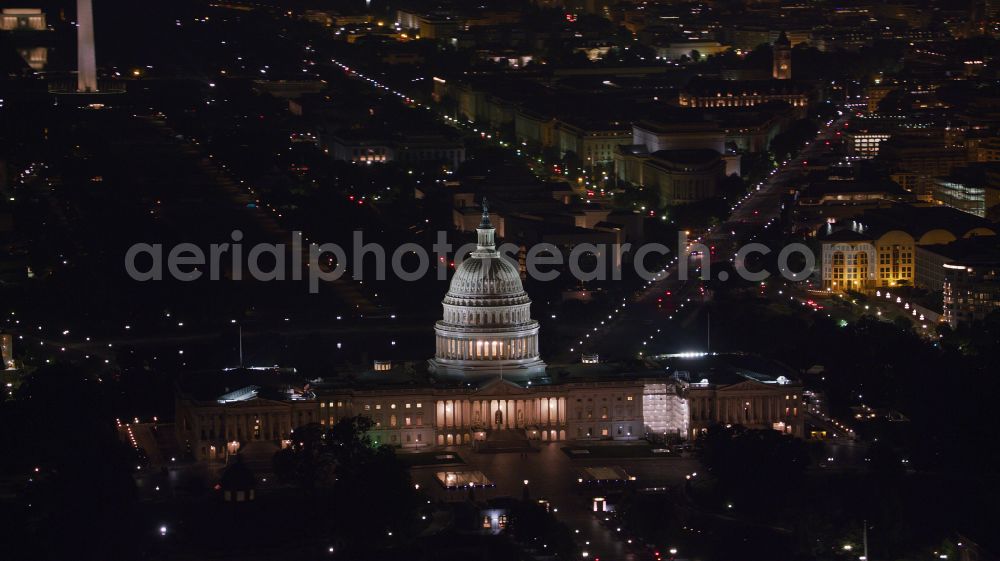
486	330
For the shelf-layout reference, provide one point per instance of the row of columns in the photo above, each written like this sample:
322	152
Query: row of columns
741	101
272	426
507	315
514	413
752	410
504	348
458	438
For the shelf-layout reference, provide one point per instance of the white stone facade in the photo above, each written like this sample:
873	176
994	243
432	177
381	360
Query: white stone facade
486	328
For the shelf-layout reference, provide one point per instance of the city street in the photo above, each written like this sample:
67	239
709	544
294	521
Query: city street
650	317
760	206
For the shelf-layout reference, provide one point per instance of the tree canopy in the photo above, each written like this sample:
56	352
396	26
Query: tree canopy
340	465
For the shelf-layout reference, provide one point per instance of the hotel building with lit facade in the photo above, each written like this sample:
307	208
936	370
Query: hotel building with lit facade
967	273
971	290
878	248
486	380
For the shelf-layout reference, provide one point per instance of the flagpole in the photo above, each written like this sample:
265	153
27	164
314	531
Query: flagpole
864	537
708	334
241	344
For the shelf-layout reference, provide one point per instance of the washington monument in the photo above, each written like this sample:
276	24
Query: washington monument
86	60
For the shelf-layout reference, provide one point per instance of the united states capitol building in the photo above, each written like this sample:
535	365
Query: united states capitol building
487	383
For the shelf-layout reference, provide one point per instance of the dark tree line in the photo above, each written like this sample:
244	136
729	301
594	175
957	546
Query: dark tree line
760	467
360	485
76	496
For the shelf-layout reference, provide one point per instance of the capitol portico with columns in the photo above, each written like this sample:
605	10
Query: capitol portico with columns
487	383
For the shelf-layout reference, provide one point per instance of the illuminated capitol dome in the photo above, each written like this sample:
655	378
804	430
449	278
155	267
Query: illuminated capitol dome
487	330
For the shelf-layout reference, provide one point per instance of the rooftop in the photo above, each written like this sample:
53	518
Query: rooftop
979	250
687	157
834	186
243	384
913	219
708	369
709	87
719	369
